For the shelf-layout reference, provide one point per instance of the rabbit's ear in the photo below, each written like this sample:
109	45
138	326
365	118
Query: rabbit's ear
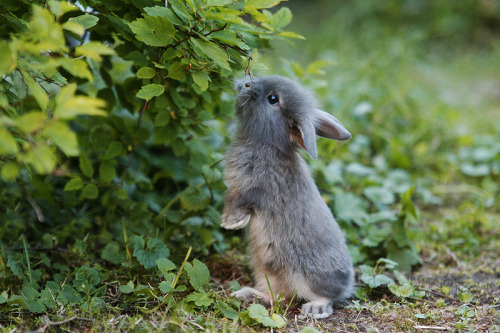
305	135
329	127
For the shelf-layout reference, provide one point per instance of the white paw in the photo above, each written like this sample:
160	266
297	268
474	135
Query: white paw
246	293
233	222
316	309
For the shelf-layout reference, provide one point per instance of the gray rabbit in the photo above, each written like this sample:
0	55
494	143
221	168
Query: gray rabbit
293	237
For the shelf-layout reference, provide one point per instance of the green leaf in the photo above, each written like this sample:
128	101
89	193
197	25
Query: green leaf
74	184
63	137
40	157
291	34
229	37
86	20
258	4
94	50
376	235
149	91
86	165
166	287
41	23
201	79
475	170
180	9
107	171
154	250
261	315
30	122
69	106
113	254
408	206
215	3
15	266
7	58
403	291
399	233
163	12
68	295
279	322
114	149
38	93
165	265
177	71
74	27
199	275
86	278
35	307
9	171
154	31
406	257
90	191
349	207
373	281
146	73
126	289
379	195
7	143
465	296
212	51
281	18
77	68
226	310
162	118
200	299
60	7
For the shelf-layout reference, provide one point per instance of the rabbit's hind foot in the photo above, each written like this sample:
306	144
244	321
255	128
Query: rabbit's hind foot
317	309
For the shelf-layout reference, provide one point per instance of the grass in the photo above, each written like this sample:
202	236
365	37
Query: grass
421	100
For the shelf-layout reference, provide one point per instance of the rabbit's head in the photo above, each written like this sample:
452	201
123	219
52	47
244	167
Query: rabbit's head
277	111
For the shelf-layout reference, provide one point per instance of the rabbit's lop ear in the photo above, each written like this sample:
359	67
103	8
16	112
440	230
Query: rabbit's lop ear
305	135
330	127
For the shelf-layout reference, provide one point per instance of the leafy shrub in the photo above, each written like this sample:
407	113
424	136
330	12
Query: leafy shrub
112	121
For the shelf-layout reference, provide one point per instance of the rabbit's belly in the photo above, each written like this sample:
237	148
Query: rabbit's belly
262	242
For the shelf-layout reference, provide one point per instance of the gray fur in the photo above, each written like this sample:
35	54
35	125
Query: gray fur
293	236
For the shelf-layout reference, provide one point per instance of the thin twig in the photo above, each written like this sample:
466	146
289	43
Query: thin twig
36	208
211	32
142	112
437	328
439	294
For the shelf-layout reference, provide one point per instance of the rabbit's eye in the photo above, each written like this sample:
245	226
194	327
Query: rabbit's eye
273	99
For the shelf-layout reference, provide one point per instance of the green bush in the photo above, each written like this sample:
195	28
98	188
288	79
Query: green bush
112	124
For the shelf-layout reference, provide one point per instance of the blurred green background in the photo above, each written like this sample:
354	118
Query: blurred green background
418	85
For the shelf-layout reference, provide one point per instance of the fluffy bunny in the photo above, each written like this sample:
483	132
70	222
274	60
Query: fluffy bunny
293	237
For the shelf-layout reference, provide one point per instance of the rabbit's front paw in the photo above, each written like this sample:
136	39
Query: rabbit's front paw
316	309
247	294
235	221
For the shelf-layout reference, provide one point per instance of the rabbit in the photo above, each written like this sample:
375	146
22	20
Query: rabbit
293	237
